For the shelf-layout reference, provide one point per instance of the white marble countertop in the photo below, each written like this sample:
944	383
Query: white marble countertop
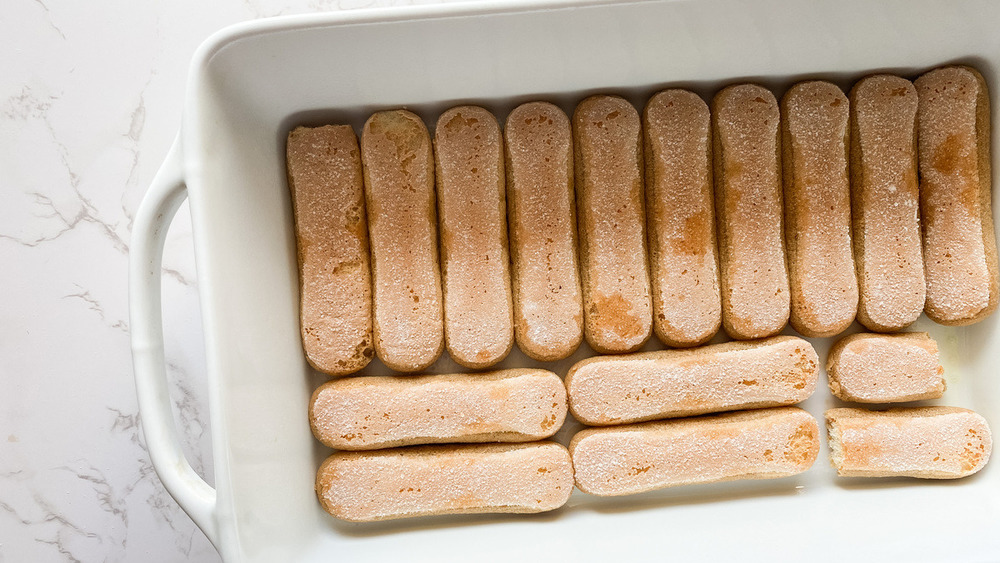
90	100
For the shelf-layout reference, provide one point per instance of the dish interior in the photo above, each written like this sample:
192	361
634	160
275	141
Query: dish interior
250	88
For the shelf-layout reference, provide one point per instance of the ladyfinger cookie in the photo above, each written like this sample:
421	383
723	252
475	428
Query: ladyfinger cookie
618	308
434	480
777	371
472	214
402	221
541	209
885	202
960	250
924	442
885	368
331	234
687	310
821	277
366	413
759	444
755	301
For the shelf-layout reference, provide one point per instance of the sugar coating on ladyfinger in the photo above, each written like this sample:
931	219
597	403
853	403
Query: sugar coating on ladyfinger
960	254
435	480
618	308
758	444
402	223
885	368
776	371
824	287
331	235
475	269
924	442
680	208
541	211
755	299
885	203
364	413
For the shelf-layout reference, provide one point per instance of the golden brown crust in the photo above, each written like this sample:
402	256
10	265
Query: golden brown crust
541	208
375	412
757	444
960	256
618	309
608	390
436	480
747	170
402	222
683	257
822	281
331	235
478	317
885	368
884	202
923	442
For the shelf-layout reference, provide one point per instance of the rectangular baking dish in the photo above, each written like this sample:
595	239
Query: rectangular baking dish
251	83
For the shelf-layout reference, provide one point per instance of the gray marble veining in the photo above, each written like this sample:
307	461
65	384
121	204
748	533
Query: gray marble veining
90	99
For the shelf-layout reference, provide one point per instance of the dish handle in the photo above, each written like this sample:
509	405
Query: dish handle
155	213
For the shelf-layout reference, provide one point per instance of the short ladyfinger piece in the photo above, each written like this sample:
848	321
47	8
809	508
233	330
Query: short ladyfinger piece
435	480
364	413
821	277
402	222
541	209
885	368
324	176
760	444
684	267
924	442
475	271
776	371
960	252
755	301
618	308
885	203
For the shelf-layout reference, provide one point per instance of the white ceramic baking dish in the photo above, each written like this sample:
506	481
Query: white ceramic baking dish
249	84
